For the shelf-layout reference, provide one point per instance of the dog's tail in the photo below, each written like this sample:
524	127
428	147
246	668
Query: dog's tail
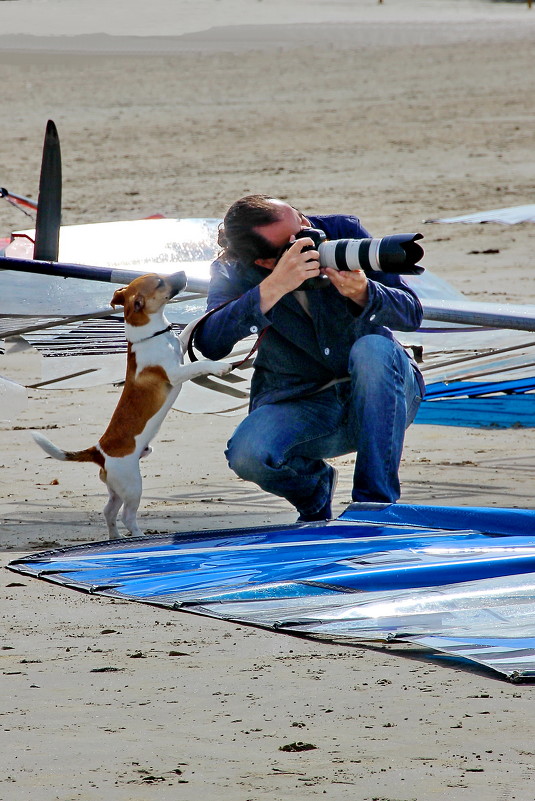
88	455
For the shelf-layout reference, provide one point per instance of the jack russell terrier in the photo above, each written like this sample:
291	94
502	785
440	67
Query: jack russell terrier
154	376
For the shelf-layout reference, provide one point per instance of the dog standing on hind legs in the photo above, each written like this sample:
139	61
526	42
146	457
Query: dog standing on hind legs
154	376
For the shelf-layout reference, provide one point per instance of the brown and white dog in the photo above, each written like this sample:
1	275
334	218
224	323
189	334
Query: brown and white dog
154	375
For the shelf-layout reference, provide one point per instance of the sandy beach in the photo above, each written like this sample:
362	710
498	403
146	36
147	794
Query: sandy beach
397	112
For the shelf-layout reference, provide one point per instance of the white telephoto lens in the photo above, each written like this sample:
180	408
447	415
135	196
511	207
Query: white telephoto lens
327	251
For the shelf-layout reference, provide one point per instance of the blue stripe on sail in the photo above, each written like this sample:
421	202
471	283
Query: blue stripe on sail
340	559
455	518
509	411
440	389
242	561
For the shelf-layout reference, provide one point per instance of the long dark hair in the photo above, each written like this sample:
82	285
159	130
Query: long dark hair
238	239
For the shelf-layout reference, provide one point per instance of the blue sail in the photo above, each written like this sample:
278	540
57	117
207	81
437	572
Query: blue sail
419	573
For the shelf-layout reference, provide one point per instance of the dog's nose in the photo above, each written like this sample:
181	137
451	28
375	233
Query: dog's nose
178	281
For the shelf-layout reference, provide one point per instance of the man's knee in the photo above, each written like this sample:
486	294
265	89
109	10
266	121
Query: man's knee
372	348
374	357
244	459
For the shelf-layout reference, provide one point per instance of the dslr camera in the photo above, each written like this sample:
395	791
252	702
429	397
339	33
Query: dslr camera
397	253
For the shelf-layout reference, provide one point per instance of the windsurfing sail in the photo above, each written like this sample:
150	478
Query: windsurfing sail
442	577
507	216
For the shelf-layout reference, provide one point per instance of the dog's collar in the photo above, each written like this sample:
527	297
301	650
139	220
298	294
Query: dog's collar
157	334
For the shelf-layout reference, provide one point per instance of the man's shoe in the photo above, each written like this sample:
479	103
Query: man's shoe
325	513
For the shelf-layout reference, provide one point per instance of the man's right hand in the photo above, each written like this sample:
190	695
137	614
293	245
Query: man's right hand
289	272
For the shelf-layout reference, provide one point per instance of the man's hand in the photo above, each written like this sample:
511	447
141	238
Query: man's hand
289	272
352	284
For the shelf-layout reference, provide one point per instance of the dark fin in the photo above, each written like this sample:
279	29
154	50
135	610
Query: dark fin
48	218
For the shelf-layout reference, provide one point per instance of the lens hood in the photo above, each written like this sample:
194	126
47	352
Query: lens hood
401	251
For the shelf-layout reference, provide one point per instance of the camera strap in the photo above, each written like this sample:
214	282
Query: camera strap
197	325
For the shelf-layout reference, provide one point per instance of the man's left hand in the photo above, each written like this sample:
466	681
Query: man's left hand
352	284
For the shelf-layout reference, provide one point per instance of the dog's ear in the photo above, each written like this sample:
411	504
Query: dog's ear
118	297
139	303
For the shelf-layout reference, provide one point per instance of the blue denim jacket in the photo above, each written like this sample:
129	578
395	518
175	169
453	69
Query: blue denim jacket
300	352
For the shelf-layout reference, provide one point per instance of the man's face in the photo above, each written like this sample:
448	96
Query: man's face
278	233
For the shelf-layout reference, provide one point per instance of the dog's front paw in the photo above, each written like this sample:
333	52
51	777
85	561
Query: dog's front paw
219	368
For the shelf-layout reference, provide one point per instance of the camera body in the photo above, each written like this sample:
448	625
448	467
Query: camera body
318	236
397	253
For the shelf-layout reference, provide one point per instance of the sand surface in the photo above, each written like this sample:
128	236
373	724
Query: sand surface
397	112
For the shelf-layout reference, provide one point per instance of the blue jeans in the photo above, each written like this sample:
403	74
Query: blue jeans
282	446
